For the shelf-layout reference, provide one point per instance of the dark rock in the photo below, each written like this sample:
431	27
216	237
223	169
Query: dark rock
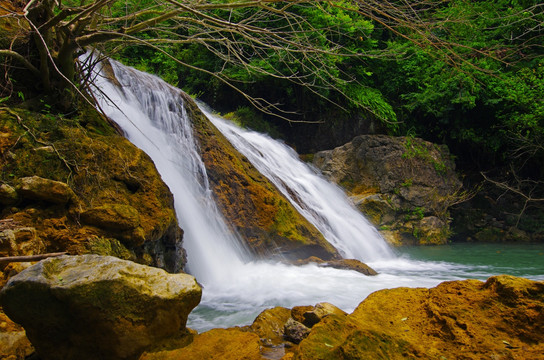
8	195
295	331
98	307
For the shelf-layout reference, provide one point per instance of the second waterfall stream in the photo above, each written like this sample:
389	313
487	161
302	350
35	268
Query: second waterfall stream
235	286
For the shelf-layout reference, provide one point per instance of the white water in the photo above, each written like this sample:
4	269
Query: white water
324	204
236	289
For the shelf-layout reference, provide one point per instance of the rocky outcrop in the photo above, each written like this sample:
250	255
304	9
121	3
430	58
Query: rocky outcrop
90	306
403	185
343	264
498	319
273	334
75	185
255	208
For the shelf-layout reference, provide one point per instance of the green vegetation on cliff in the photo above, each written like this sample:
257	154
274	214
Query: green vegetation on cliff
83	188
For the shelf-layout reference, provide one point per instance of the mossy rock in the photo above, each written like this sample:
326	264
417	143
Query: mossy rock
90	306
219	344
104	170
254	207
468	319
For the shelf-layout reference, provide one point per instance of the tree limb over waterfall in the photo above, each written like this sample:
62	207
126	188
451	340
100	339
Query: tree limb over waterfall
240	33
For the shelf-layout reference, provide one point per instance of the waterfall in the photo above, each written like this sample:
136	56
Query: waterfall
322	203
151	114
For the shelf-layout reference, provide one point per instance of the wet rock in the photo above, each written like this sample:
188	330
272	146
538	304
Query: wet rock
295	331
499	319
396	182
350	264
37	188
343	264
255	208
269	325
319	312
90	306
219	344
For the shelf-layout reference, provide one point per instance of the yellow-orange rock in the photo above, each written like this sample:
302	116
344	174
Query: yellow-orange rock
216	344
499	319
269	325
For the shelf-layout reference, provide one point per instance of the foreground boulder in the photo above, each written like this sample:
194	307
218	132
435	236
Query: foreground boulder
404	185
499	319
98	307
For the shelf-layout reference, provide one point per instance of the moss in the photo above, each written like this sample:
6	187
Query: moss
108	246
100	166
254	207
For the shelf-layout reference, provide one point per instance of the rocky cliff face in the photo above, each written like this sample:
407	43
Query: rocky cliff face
75	185
255	208
404	185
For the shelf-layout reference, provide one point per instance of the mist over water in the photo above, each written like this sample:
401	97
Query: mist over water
235	288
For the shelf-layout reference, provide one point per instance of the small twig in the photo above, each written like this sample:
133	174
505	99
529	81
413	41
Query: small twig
20	121
29	258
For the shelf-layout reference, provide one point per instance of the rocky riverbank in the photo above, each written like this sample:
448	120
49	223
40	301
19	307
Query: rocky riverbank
79	307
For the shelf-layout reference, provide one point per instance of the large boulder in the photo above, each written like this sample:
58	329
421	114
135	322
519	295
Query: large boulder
499	319
403	184
98	307
255	208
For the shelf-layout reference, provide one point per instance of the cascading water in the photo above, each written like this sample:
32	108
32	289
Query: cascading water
152	115
324	204
236	289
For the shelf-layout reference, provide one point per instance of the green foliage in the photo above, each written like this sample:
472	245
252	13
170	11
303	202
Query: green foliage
248	118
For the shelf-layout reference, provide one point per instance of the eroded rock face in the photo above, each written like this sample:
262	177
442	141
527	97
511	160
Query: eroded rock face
404	185
499	319
89	191
92	307
254	207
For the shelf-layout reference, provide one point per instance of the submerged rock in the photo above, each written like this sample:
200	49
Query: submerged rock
404	185
98	307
